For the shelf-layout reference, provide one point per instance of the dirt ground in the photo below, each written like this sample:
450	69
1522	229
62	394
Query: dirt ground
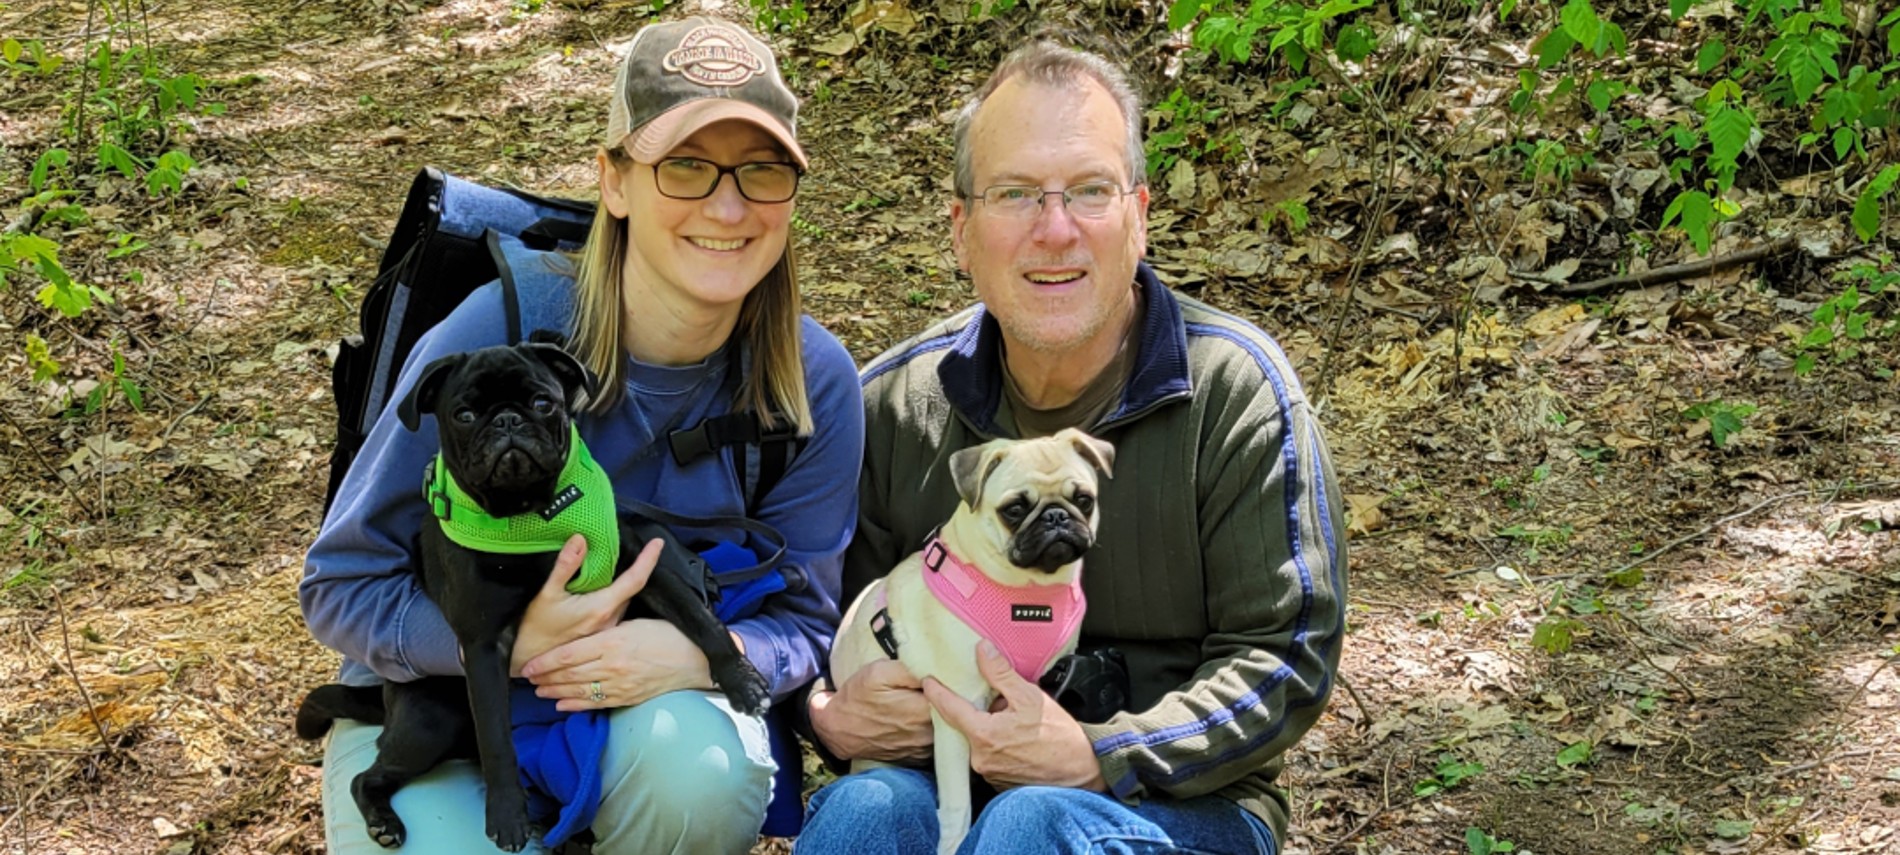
1577	624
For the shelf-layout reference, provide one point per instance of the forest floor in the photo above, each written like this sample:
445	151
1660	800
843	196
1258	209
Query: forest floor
1587	616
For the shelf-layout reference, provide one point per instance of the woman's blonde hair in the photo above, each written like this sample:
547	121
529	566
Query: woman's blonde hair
774	380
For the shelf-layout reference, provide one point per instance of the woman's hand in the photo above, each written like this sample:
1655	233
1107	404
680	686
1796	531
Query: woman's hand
620	667
556	617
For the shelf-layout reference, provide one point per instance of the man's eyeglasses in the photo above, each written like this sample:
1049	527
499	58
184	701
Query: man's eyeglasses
692	178
1022	201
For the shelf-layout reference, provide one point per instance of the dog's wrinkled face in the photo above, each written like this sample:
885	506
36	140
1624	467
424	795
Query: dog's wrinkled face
502	414
1037	497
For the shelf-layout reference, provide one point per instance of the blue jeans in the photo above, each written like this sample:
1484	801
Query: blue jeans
891	810
682	773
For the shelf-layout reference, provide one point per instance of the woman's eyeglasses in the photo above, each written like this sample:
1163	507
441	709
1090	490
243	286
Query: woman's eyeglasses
692	178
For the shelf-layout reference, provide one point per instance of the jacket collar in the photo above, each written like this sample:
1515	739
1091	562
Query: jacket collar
972	372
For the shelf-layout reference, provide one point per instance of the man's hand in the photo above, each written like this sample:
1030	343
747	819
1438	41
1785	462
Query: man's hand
876	714
556	617
1031	740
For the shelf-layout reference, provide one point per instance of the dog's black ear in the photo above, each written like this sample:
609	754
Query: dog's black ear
421	399
575	378
1095	451
969	468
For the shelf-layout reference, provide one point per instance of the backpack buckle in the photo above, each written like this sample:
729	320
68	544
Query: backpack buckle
712	434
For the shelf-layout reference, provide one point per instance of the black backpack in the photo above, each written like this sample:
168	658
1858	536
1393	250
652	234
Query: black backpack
443	248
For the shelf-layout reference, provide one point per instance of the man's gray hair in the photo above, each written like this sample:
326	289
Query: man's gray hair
1051	64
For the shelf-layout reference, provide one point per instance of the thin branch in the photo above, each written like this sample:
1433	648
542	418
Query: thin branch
1679	272
65	643
1771	500
45	464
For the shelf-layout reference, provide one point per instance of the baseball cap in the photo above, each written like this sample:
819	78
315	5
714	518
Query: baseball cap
681	76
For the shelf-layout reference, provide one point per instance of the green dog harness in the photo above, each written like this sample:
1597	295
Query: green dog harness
583	503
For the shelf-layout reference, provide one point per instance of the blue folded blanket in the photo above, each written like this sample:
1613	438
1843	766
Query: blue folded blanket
560	752
560	761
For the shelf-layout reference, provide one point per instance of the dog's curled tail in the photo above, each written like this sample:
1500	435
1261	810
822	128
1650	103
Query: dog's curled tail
325	704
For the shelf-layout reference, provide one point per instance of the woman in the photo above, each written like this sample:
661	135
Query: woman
684	302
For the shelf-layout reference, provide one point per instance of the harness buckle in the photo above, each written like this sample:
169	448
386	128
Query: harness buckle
882	631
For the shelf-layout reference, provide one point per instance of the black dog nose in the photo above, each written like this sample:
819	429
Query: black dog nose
1055	516
508	421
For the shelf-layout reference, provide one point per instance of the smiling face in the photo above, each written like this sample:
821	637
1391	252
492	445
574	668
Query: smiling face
695	255
1056	283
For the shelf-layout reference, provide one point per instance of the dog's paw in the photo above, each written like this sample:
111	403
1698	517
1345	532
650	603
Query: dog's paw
744	687
508	835
387	830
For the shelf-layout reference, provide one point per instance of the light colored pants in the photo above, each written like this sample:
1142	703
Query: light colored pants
682	773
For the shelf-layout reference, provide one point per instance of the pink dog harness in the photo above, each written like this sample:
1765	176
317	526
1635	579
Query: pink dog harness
1029	623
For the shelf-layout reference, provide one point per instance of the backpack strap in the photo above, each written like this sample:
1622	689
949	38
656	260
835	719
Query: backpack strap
510	295
760	455
765	533
552	232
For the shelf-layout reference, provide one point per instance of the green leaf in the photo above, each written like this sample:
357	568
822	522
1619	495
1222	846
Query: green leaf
1728	128
53	157
1506	8
1866	216
1574	754
1710	56
1356	42
1477	842
44	365
1843	142
1807	63
176	160
11	50
32	248
70	300
1804	365
1554	635
160	180
1183	13
1600	95
112	156
1734	829
1697	214
1581	23
132	394
1722	423
1627	579
1552	48
1679	8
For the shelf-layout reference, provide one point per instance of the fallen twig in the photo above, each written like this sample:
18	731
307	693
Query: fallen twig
92	711
1771	500
45	464
1803	767
1365	715
1678	272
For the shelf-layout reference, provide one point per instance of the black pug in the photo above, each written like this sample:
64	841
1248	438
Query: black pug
504	425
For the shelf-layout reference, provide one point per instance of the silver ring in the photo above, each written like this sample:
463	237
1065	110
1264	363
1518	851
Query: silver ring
594	693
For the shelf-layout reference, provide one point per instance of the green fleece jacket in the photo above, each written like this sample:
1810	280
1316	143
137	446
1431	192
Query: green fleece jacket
1219	568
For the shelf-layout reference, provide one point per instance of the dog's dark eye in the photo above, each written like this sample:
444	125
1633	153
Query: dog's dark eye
1085	503
465	416
1015	512
543	404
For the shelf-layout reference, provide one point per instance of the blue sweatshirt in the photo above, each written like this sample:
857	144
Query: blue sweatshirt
361	595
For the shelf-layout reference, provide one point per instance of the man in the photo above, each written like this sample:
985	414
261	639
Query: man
1219	569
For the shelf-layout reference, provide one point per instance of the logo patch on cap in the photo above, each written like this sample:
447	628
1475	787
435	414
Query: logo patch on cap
714	56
